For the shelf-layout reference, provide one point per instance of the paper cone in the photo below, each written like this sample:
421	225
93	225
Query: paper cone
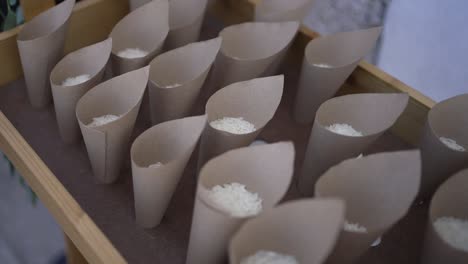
256	101
134	4
187	67
280	10
378	190
449	201
371	114
252	50
89	60
212	228
445	119
306	229
40	46
145	28
185	21
342	53
107	145
172	144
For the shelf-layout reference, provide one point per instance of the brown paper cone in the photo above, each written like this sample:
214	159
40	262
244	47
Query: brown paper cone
145	28
280	10
212	228
306	229
449	201
107	145
342	53
90	60
445	119
371	114
184	70
252	50
185	21
378	190
172	144
255	100
40	45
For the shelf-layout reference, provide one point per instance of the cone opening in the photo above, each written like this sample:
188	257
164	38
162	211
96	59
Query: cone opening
341	49
446	200
370	114
257	40
183	13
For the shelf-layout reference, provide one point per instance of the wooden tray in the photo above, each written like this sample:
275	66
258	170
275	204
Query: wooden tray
99	219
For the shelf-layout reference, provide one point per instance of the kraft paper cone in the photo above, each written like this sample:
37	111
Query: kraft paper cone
280	10
445	119
341	53
40	46
176	78
371	114
449	201
213	228
170	143
252	50
185	21
256	101
306	229
378	190
107	145
144	28
89	60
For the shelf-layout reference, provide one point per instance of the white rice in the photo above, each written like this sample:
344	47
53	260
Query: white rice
102	120
235	200
354	227
269	257
344	129
132	53
234	125
323	65
155	165
360	156
452	144
454	231
172	85
70	81
376	242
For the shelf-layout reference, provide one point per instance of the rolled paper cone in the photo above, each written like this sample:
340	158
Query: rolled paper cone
145	28
185	21
327	63
305	229
107	144
40	45
134	4
176	78
371	114
378	191
446	119
252	50
212	228
170	143
90	60
280	10
449	201
256	101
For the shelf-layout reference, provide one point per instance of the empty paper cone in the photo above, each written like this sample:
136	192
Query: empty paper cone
446	119
255	101
280	10
378	191
159	156
327	63
144	29
107	144
266	170
185	21
370	114
305	229
89	61
40	45
252	50
176	78
450	200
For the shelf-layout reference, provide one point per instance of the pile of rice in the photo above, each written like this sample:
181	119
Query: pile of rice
132	53
70	81
155	165
354	227
234	125
269	257
453	231
451	143
102	120
323	65
344	129
235	200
